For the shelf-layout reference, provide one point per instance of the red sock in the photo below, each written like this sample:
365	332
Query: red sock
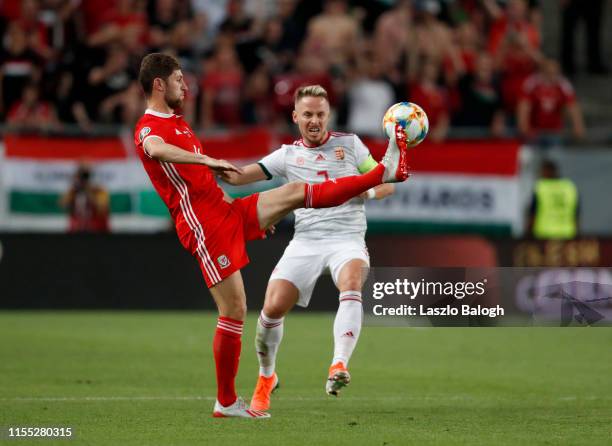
226	348
335	192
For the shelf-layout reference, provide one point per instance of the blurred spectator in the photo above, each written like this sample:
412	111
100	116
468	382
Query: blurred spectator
35	29
369	96
165	17
124	24
393	35
591	11
238	24
19	65
434	38
243	59
309	69
511	25
87	204
31	112
462	60
515	44
333	34
293	31
258	106
70	108
181	44
93	15
545	96
265	49
113	77
124	107
433	98
208	16
221	88
480	98
555	207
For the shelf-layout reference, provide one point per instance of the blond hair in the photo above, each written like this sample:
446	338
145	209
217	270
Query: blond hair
304	91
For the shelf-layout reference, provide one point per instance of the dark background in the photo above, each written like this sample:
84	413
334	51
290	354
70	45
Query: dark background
82	271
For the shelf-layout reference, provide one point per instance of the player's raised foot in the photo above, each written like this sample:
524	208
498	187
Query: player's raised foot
338	378
396	158
264	388
238	410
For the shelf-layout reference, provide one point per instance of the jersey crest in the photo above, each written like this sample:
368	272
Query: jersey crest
144	132
339	151
223	261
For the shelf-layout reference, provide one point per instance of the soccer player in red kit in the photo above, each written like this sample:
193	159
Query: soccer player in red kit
212	226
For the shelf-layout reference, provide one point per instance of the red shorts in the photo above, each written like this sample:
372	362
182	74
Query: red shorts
221	250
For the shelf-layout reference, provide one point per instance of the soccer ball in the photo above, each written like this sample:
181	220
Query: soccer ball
411	117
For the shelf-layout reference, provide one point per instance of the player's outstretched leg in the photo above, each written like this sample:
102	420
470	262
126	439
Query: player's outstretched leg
393	168
230	298
274	204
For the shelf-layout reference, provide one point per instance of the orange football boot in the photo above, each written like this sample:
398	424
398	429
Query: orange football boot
263	390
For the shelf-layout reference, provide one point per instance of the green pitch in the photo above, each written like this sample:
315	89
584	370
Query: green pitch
147	379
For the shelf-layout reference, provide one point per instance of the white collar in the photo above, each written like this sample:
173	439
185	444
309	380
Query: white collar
150	111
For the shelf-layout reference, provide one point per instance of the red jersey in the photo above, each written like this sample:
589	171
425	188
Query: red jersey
224	87
172	180
547	101
212	229
502	28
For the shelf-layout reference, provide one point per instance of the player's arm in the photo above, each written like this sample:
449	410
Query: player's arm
379	192
249	174
382	190
157	149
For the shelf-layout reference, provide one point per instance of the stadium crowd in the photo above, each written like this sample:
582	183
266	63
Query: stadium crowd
468	63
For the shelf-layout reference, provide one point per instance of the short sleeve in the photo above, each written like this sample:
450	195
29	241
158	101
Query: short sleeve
274	163
150	130
365	161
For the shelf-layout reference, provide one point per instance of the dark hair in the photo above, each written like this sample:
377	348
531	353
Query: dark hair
156	65
549	168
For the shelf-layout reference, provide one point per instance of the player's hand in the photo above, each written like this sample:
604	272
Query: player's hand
226	176
221	166
270	231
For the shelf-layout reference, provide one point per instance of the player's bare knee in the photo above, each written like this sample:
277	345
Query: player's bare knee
276	305
237	313
274	312
235	309
274	309
351	284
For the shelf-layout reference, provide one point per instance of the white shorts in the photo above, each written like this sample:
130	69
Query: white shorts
305	260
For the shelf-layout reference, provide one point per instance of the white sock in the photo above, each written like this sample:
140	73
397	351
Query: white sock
268	337
347	326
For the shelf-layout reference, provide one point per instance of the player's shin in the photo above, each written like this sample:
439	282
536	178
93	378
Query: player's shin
347	326
227	344
336	191
268	337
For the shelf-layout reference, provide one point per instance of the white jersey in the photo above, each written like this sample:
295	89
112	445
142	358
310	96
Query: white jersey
341	155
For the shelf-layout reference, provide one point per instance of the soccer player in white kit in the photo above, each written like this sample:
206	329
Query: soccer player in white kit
325	239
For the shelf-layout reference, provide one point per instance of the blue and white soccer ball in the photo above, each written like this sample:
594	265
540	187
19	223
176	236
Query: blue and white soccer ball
411	118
